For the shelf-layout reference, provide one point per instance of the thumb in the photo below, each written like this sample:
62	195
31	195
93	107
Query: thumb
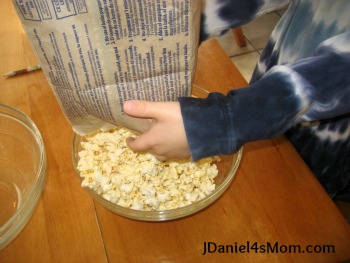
140	108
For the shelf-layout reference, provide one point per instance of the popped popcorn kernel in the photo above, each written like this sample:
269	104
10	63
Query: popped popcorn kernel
138	180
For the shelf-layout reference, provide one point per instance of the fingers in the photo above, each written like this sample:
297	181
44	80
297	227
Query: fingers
161	158
152	110
140	108
140	146
166	137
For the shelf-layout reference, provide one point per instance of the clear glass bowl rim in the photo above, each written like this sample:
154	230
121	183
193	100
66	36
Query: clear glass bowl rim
16	223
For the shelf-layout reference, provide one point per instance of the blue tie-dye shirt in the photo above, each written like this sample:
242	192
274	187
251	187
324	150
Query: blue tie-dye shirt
300	87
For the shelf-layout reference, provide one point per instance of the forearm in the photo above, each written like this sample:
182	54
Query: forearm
306	91
222	124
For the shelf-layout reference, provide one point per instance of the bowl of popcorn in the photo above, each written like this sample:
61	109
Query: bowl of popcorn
138	186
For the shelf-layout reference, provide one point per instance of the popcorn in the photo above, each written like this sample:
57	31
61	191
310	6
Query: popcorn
138	180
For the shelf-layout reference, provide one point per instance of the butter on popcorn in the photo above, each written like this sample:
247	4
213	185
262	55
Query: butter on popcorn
138	180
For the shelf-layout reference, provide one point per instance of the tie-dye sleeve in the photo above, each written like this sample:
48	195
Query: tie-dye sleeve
221	15
328	76
311	89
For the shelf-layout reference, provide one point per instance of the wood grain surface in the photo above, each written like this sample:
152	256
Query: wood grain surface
273	198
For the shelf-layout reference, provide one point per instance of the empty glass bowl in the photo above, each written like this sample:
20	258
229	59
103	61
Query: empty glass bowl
22	171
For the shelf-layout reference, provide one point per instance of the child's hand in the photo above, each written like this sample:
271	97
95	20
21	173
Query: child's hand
166	137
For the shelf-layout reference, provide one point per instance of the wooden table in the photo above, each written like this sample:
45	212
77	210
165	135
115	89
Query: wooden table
274	197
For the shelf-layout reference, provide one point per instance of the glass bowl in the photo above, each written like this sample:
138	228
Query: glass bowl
22	171
227	168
